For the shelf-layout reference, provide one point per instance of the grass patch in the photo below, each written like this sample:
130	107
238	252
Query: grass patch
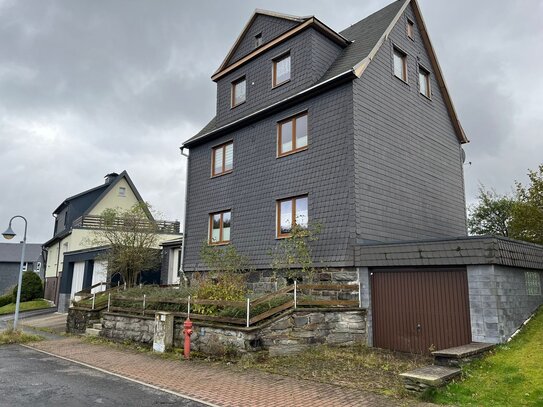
512	375
25	306
357	367
10	336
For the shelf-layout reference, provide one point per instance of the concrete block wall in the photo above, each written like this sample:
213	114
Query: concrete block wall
499	301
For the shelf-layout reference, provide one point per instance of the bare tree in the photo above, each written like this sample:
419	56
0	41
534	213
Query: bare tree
132	237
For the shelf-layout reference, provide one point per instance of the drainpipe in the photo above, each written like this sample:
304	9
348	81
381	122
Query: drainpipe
181	271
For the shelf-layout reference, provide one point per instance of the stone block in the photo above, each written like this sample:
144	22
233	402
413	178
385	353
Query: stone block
345	276
316	318
300	321
282	324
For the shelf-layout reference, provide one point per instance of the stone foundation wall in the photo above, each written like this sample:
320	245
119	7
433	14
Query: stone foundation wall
288	334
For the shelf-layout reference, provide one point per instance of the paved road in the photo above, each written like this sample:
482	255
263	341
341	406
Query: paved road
34	379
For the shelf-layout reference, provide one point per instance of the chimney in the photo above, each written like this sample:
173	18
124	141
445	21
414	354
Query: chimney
110	177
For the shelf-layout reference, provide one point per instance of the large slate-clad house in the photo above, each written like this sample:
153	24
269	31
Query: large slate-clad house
356	131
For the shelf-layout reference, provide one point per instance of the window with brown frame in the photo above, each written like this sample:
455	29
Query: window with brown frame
400	64
222	159
424	82
219	227
411	29
281	70
292	135
291	211
239	92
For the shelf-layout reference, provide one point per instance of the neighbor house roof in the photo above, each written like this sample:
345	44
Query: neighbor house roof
363	40
11	252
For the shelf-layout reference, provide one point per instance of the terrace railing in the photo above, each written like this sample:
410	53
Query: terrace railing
242	313
99	222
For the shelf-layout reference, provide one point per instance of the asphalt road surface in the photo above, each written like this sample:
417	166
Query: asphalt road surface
31	378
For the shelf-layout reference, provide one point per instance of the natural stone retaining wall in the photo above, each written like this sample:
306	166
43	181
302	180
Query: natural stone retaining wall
79	318
287	334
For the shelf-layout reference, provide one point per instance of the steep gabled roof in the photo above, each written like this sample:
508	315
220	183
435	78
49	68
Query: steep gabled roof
365	38
11	252
256	13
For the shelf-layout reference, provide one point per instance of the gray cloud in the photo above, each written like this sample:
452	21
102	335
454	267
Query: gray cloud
92	87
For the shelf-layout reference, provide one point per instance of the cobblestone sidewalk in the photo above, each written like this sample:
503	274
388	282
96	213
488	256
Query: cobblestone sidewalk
210	383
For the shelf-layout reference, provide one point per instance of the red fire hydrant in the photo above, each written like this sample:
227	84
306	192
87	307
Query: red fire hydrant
187	331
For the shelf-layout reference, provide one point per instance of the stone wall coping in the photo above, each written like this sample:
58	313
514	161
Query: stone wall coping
252	328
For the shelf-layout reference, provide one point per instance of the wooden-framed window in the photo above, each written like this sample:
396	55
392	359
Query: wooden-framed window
292	135
410	29
222	159
239	91
219	227
258	40
291	211
281	70
424	82
400	64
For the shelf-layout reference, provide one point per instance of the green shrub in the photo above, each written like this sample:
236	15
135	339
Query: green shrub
32	287
6	299
225	287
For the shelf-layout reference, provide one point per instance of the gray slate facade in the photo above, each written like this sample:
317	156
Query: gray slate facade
383	162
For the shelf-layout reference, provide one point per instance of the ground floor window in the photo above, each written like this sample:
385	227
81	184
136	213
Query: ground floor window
219	227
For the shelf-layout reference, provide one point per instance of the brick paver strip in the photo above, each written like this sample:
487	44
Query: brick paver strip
210	383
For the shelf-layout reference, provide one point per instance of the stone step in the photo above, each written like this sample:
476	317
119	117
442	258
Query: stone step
92	332
429	376
461	354
97	326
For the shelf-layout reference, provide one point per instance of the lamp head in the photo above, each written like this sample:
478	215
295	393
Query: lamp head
9	233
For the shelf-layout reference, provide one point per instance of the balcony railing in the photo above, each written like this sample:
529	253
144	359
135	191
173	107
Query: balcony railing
99	222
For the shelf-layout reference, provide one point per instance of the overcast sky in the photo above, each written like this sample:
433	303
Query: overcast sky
91	87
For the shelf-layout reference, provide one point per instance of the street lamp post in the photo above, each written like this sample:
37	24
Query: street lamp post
10	234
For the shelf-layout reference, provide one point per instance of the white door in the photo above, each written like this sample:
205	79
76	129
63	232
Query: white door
77	278
99	275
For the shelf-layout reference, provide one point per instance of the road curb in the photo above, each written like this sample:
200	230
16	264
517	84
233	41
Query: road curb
152	386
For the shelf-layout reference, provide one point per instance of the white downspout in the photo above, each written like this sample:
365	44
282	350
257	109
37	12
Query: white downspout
181	271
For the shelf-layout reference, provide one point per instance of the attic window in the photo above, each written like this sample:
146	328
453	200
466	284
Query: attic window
424	82
281	70
238	92
411	29
258	40
400	64
122	191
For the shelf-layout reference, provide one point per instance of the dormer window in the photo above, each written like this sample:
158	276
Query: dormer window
258	40
281	70
239	91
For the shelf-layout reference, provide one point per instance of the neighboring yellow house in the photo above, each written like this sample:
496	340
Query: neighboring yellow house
71	263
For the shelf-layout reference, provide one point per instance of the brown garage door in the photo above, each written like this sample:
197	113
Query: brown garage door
419	310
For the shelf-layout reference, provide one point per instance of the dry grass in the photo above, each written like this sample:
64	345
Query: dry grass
357	367
11	336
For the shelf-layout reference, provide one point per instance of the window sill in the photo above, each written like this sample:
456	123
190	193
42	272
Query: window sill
218	243
291	152
222	173
280	84
283	237
401	79
426	96
239	104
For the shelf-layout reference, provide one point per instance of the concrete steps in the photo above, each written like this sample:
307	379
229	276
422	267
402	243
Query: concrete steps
95	330
447	363
460	355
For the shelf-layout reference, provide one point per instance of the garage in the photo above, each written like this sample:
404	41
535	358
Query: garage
419	310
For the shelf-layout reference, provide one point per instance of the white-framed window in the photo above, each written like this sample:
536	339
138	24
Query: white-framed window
258	40
38	267
122	191
25	266
533	282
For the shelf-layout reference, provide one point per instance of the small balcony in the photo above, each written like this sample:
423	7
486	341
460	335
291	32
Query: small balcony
99	222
